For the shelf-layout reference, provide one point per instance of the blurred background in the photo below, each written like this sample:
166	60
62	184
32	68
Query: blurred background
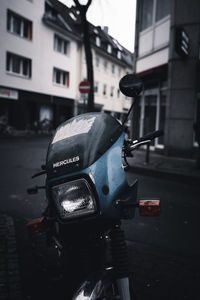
43	62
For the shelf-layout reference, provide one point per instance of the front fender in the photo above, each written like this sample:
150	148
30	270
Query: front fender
90	289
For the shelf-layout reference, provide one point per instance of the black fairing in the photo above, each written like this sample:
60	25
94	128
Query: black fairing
80	141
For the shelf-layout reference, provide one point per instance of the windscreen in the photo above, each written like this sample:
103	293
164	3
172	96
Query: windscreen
80	141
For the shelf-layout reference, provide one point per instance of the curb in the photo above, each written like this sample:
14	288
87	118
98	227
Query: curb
183	178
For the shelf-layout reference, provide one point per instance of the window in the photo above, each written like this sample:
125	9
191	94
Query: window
118	93
97	61
50	11
61	45
19	25
61	77
147	13
119	54
153	11
109	48
162	9
18	65
112	91
98	41
119	71
105	65
96	87
104	89
73	16
113	69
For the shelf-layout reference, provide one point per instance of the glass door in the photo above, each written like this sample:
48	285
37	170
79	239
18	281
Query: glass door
152	114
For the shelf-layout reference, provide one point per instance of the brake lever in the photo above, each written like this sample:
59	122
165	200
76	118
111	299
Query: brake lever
138	144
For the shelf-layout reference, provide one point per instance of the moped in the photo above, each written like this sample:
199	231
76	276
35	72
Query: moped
88	196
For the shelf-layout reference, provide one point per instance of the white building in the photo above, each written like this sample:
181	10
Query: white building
38	66
41	63
110	63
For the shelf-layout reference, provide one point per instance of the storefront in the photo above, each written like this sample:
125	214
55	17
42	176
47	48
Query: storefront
23	110
8	100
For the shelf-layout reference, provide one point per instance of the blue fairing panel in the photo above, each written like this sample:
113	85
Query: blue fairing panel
107	171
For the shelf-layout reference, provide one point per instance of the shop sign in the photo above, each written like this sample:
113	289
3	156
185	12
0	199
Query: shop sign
9	94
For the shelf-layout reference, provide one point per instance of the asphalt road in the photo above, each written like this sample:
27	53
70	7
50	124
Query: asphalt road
162	249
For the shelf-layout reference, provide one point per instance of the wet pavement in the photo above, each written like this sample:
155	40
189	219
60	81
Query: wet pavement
164	274
31	270
10	280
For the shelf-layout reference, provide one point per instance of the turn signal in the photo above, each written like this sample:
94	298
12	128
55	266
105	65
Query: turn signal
32	190
149	208
36	226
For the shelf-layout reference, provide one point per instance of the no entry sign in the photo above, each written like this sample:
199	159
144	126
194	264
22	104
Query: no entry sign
84	87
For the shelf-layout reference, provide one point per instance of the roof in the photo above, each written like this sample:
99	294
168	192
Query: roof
67	20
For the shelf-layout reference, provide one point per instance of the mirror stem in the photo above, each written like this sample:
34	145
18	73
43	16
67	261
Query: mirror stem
126	118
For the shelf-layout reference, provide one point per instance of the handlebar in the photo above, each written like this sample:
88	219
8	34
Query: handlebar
131	145
151	136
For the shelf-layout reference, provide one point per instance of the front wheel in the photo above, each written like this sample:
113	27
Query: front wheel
104	287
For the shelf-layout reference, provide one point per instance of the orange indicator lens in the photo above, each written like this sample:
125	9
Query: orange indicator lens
36	226
149	208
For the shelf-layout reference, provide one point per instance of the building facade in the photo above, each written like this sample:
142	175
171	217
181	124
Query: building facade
167	59
38	65
41	63
110	63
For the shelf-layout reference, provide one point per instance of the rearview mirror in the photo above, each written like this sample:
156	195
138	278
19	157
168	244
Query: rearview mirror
130	85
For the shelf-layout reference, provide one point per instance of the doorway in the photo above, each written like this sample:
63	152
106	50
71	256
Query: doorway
152	109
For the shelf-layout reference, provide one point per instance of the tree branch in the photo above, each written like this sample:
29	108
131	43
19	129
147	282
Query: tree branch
81	6
88	53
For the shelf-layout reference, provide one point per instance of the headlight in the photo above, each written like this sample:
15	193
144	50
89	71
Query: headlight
74	199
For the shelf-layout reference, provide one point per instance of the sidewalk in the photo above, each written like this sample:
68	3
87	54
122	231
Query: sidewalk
172	168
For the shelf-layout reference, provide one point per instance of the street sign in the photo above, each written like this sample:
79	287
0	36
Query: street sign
84	87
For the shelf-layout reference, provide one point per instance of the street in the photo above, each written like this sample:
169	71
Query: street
164	251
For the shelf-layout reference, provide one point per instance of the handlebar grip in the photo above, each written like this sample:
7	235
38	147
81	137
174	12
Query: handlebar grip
151	136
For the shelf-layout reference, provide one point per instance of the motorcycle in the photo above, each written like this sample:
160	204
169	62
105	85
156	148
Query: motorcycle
88	196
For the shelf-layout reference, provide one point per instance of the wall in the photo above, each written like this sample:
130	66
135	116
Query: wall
183	82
